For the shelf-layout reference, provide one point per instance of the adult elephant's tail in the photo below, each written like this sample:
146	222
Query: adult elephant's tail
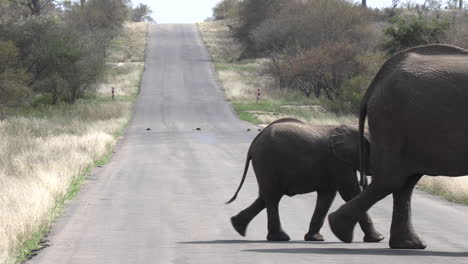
362	149
249	157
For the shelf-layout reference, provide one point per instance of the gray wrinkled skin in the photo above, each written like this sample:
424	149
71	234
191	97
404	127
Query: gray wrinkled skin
290	157
417	108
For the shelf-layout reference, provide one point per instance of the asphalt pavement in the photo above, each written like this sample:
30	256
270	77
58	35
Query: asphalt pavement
161	197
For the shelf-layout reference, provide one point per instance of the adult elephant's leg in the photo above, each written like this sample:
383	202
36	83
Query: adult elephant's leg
243	218
370	234
402	234
343	221
324	201
275	231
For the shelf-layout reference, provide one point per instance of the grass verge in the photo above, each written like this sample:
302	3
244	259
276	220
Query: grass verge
453	189
47	151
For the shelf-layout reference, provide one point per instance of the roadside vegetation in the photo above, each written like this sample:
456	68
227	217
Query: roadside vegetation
58	120
313	60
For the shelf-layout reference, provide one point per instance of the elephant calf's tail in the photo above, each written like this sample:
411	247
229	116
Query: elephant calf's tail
243	178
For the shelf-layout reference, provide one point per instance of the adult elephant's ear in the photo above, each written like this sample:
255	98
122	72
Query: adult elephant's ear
344	145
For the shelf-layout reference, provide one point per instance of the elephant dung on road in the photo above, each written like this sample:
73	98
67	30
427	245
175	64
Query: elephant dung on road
417	107
290	157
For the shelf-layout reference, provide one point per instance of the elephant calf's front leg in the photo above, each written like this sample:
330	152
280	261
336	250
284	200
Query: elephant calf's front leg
324	201
275	231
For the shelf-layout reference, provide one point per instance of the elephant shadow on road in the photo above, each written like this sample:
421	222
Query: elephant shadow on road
326	251
240	241
360	251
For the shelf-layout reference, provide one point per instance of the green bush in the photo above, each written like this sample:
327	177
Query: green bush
251	14
226	9
293	26
63	49
351	94
141	13
413	31
13	78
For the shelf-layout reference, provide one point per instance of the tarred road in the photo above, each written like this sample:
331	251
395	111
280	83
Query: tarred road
161	198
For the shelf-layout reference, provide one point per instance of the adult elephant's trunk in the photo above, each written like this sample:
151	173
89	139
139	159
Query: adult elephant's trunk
249	157
362	148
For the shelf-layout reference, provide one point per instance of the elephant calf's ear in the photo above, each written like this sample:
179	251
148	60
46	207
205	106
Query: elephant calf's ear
343	144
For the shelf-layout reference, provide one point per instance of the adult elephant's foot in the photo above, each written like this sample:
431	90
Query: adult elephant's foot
239	224
278	236
313	237
406	242
342	227
373	237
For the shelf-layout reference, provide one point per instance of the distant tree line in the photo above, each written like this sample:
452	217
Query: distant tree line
52	51
331	48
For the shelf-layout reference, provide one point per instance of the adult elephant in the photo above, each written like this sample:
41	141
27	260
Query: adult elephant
417	107
290	157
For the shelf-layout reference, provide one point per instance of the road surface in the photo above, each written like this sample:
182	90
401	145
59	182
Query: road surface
161	198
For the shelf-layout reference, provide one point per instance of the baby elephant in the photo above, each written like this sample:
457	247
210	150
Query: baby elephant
290	157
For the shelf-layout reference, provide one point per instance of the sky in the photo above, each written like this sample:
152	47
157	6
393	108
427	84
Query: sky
191	11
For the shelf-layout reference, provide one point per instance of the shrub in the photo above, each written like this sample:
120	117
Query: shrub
226	9
251	14
13	78
324	68
60	61
301	25
141	13
64	51
413	31
351	93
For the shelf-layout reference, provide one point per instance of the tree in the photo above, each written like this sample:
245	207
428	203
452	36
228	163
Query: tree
252	13
58	52
300	25
226	9
142	13
321	70
409	32
35	6
13	78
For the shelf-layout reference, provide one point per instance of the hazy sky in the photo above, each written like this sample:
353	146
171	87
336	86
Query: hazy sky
190	11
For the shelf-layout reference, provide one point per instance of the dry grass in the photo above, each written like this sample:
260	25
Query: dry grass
125	62
124	77
326	120
240	80
220	42
130	45
453	189
44	153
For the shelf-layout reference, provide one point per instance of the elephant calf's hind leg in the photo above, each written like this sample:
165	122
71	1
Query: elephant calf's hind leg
243	218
